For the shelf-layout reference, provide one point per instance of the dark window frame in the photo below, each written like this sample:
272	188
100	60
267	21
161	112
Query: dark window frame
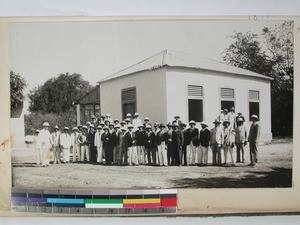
191	97
134	101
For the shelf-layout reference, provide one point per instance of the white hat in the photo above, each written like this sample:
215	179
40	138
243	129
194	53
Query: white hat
148	126
146	118
128	115
66	128
84	127
99	127
105	128
117	126
192	122
75	128
130	126
92	125
107	114
254	116
123	128
56	127
136	114
127	120
46	124
37	131
240	119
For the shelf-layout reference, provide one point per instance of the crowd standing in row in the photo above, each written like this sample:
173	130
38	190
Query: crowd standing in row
133	142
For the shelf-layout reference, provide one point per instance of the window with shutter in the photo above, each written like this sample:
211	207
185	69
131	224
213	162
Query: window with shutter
227	98
253	103
128	97
227	93
195	103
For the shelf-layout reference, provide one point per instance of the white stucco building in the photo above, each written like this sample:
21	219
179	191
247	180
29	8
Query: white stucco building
171	83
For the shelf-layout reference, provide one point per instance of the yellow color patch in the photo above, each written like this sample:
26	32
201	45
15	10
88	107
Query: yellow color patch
145	200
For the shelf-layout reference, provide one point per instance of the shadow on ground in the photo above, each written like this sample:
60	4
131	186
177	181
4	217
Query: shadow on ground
277	177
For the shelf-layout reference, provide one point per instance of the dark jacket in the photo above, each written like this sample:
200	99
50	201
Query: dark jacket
106	138
193	136
187	138
130	140
161	137
140	138
150	140
204	137
91	138
177	138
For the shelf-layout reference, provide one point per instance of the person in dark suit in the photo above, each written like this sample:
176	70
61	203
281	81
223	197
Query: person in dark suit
140	144
177	143
150	144
91	140
192	146
186	142
107	145
130	144
204	138
169	144
254	134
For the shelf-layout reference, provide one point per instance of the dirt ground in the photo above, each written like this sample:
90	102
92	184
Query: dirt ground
273	170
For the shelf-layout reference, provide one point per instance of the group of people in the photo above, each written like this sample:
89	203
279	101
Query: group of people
133	142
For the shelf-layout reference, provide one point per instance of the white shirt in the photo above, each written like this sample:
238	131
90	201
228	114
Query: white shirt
98	142
65	140
45	137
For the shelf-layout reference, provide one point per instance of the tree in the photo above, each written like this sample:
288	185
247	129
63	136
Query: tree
17	86
271	53
58	94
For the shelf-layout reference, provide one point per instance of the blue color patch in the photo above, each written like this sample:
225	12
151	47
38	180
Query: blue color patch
65	200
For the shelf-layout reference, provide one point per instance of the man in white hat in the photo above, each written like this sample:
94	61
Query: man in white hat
92	147
240	140
37	147
192	147
204	139
229	137
107	145
108	117
216	142
84	145
146	122
254	134
75	144
119	139
232	117
140	144
46	142
136	121
150	145
122	158
129	116
55	145
130	144
99	144
177	143
162	137
65	144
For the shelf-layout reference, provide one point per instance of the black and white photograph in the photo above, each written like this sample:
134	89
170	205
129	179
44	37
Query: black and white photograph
152	104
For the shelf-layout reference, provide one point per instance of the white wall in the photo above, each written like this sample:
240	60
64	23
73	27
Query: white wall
177	80
150	91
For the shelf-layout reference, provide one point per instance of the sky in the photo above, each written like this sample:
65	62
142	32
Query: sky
41	50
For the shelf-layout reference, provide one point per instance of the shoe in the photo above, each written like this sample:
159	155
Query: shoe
232	164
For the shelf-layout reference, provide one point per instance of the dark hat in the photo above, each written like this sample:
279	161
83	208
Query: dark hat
162	125
217	121
226	121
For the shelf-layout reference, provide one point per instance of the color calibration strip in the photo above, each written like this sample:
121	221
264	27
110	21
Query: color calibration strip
94	201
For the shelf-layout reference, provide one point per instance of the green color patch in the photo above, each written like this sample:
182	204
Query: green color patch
103	201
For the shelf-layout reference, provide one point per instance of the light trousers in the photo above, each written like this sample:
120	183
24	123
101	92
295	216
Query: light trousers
132	156
203	155
226	150
85	151
66	154
141	154
56	154
162	154
76	152
99	154
46	155
191	153
38	156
